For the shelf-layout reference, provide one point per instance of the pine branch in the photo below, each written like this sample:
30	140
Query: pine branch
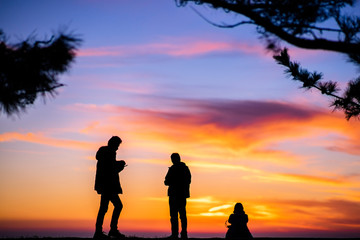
349	102
31	68
246	8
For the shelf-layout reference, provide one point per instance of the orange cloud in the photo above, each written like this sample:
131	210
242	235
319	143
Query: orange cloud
240	133
39	138
236	132
300	178
331	214
90	127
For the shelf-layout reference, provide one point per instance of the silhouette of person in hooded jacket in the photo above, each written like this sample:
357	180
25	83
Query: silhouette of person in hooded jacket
107	183
178	178
238	229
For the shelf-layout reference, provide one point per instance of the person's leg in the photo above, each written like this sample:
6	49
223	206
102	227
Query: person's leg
118	206
104	203
174	217
183	218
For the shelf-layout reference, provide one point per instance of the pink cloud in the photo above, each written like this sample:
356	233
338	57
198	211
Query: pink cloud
175	48
185	47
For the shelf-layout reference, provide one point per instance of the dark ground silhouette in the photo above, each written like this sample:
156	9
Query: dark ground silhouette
141	238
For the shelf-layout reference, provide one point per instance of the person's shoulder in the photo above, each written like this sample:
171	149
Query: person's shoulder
103	148
182	164
179	166
231	217
185	166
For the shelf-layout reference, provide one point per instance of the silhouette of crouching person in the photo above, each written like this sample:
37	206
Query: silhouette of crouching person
107	183
178	178
238	228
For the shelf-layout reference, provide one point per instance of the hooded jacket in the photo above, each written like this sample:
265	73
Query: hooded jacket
107	172
178	178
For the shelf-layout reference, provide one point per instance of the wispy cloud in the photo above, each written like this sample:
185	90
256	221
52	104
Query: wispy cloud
202	200
40	138
174	47
90	127
302	178
219	166
238	129
213	214
189	47
331	213
216	211
225	206
206	200
137	83
257	173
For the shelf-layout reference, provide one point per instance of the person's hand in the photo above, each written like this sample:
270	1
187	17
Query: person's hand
120	165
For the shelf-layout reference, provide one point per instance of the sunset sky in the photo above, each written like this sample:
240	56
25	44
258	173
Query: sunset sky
165	81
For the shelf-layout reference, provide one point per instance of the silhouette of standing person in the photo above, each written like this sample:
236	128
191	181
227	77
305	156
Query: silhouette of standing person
178	178
107	183
238	228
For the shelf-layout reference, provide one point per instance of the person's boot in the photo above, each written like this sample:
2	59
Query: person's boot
184	228
114	233
173	236
174	228
184	235
100	235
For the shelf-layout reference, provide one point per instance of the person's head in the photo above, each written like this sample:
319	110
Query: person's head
238	208
114	142
175	158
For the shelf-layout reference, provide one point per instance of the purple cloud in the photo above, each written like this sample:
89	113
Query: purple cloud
234	113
